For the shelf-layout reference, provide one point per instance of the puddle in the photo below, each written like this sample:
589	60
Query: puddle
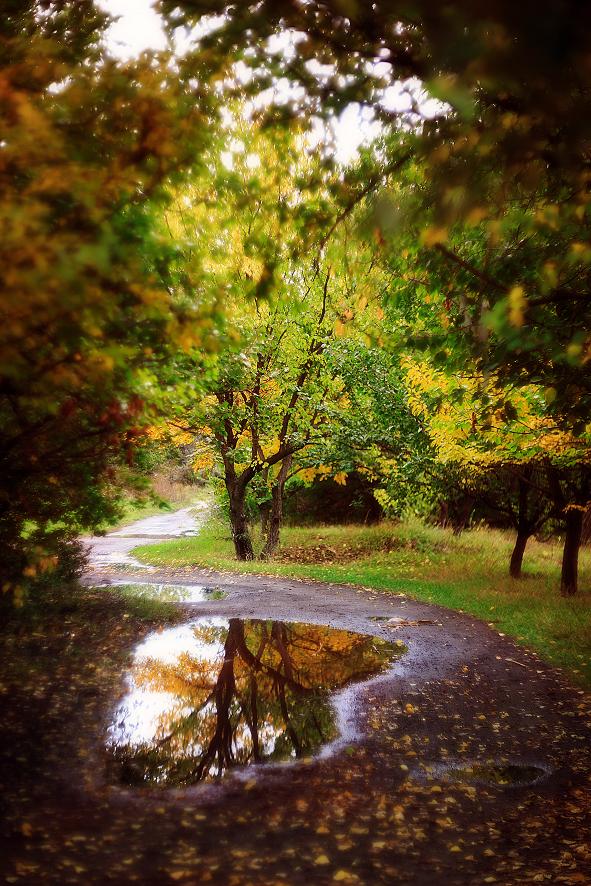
502	774
169	593
216	694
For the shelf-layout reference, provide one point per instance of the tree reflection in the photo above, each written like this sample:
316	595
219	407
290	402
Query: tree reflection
243	692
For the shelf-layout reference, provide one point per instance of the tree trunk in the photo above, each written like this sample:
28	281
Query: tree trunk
570	556
265	511
524	529
463	511
443	517
517	555
586	534
240	529
276	514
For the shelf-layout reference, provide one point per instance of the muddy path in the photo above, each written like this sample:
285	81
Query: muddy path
112	551
380	809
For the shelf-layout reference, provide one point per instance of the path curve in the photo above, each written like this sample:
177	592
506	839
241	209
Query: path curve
376	812
112	550
462	693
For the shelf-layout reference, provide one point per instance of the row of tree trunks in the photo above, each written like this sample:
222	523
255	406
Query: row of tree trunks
272	518
573	519
570	554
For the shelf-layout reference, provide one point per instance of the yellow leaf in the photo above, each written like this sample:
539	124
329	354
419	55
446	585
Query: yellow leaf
574	349
322	859
476	215
433	236
517	306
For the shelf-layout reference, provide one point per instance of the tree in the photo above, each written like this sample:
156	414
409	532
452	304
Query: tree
289	290
513	438
266	401
503	287
570	490
504	154
371	428
519	492
88	146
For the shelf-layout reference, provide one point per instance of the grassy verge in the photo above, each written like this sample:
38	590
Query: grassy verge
468	573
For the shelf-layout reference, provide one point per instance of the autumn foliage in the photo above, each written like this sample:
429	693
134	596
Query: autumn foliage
87	145
181	250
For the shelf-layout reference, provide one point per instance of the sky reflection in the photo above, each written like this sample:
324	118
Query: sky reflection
205	697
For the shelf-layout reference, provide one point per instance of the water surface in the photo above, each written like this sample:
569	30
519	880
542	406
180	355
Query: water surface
216	694
170	593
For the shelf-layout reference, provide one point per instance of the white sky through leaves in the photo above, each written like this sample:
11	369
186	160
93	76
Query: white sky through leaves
139	27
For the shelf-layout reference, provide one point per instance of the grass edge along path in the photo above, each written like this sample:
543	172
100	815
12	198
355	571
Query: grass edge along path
467	573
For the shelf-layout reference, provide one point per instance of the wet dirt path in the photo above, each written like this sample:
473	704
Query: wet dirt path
113	550
379	811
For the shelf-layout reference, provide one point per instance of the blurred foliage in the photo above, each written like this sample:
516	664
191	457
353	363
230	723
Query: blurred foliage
174	244
504	225
88	144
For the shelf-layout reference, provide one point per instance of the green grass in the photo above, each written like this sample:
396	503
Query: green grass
467	573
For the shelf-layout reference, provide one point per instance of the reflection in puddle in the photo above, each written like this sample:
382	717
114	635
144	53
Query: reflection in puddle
171	593
218	693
